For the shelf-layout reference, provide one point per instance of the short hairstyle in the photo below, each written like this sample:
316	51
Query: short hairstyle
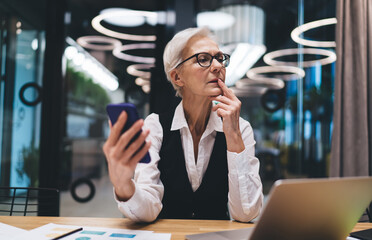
173	50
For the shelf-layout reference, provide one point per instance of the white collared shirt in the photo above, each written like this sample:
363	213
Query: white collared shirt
245	187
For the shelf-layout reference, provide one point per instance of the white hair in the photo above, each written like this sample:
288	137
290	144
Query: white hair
173	50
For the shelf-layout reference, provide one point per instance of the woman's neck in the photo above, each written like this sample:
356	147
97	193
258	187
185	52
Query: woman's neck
197	111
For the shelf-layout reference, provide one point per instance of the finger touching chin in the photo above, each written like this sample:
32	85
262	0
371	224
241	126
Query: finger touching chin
217	92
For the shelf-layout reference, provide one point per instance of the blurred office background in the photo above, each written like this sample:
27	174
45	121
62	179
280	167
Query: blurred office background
62	61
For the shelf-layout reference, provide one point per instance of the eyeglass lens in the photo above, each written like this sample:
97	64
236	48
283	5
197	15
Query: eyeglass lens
205	59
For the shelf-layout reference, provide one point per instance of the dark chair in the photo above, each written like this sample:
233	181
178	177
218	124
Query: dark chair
22	201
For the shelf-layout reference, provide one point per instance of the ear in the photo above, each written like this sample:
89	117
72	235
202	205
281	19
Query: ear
176	78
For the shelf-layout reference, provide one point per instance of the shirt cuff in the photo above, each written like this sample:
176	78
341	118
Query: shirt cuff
131	205
238	163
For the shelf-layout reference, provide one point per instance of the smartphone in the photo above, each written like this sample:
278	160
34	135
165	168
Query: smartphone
114	111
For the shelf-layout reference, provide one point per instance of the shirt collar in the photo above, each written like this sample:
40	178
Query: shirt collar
179	121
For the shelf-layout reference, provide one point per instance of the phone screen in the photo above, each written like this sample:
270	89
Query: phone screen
114	111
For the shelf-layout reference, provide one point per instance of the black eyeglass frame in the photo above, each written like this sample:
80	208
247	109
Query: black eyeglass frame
226	57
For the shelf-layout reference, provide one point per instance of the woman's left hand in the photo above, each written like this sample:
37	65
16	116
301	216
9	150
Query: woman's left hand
229	109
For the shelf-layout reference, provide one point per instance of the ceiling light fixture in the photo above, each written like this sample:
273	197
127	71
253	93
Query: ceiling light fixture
215	20
96	24
134	70
35	44
71	52
270	83
257	73
244	56
133	20
146	88
296	33
249	91
330	57
243	40
141	82
90	42
83	61
118	52
136	18
79	59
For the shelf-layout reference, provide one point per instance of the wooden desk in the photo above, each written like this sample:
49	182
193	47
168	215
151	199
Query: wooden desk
178	228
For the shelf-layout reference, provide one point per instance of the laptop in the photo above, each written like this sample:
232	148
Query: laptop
306	209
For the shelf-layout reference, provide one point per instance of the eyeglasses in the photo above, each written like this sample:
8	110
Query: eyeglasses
205	59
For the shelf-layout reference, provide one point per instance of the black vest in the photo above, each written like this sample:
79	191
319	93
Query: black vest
209	201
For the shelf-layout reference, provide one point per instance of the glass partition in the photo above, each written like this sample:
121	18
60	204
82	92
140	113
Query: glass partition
22	47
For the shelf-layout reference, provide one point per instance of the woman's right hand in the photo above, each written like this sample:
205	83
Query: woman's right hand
122	156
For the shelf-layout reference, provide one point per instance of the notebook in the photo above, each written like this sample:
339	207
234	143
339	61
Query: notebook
306	209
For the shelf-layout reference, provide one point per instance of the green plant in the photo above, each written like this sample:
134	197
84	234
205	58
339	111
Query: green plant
82	88
29	167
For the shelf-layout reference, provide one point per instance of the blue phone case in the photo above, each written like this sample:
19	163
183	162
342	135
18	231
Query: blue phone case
114	111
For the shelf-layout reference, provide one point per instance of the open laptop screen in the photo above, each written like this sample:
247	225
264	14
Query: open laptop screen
307	209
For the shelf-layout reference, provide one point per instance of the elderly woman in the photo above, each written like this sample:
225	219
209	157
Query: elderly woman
202	154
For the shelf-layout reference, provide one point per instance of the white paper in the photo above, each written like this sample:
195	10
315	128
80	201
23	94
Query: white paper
46	232
51	230
160	236
95	233
9	232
